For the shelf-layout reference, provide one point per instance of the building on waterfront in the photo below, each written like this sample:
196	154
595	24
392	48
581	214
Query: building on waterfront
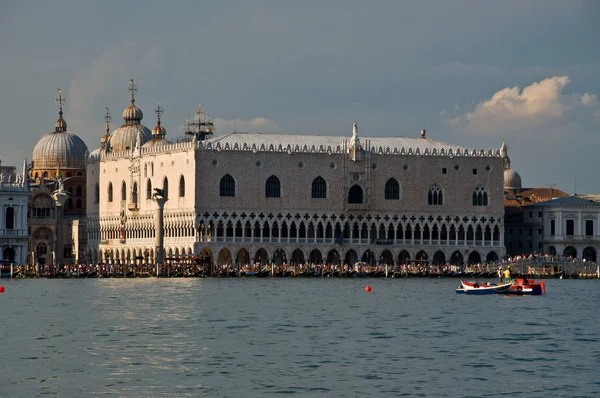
567	226
247	197
522	235
58	233
14	197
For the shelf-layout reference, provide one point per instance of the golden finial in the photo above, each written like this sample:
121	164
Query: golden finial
158	111
60	100
132	89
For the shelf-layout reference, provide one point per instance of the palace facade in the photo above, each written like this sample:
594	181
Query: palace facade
247	197
14	197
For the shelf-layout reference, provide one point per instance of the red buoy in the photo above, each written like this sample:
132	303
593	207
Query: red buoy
1	289
367	288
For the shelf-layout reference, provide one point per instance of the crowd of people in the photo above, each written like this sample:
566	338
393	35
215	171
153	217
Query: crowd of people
532	265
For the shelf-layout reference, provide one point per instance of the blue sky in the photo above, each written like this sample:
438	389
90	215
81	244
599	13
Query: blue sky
472	72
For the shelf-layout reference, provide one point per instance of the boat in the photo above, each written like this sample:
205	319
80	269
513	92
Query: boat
527	287
477	288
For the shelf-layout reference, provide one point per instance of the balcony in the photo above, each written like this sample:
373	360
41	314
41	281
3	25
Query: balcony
13	233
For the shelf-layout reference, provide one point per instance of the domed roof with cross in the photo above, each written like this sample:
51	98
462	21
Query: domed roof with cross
60	148
124	138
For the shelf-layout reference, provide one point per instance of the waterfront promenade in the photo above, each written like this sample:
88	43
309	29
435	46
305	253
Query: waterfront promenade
532	267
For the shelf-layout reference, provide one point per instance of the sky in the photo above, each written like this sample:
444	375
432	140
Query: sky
473	73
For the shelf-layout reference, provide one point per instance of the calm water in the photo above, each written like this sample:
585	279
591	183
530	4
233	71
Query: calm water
308	337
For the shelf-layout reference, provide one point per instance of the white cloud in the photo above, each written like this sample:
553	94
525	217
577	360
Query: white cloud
538	104
259	125
590	100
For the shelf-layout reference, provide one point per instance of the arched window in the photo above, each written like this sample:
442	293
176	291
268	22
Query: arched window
78	190
480	196
392	189
435	196
355	195
273	188
145	170
36	175
181	187
79	203
96	193
319	188
69	174
134	193
152	169
148	189
70	203
10	218
166	187
227	186
45	175
123	191
110	192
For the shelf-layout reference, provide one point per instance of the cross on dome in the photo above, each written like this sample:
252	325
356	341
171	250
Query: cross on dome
60	99
159	111
107	116
133	89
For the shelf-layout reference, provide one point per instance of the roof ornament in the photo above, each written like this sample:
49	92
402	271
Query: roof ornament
133	89
60	100
158	111
106	136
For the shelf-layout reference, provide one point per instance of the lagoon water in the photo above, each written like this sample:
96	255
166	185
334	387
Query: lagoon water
305	337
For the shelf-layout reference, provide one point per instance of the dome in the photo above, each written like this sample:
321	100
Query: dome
60	149
156	142
512	180
158	132
96	152
133	114
125	137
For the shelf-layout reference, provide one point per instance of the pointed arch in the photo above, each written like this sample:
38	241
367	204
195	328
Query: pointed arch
227	186
110	192
123	191
134	193
480	196
181	186
435	196
166	187
148	189
392	189
319	188
273	187
355	195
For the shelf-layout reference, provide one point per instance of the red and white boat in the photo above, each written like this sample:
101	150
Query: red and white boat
477	288
527	287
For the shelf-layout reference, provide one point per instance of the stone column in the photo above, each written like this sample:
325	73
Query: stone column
159	227
60	197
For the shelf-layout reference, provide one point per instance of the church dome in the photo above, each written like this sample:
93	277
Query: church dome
158	132
156	142
512	180
133	114
60	148
125	137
